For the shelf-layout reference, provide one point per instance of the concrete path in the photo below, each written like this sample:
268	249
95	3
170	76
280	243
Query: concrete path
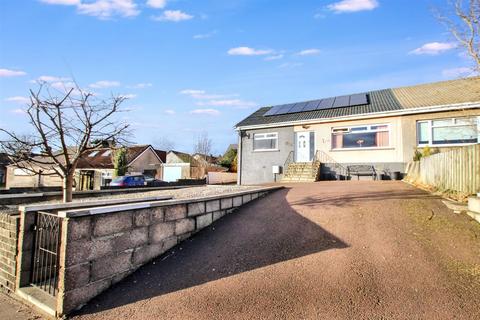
11	309
326	250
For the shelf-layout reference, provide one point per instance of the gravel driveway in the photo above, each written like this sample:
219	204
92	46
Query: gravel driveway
327	250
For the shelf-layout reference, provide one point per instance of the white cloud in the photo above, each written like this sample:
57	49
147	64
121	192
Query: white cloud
173	15
202	94
18	111
290	65
104	84
50	79
458	72
247	51
18	99
169	112
353	5
210	112
128	96
62	2
11	73
141	85
157	4
309	52
205	35
433	48
227	103
103	9
274	57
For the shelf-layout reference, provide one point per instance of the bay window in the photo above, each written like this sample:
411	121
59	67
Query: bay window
448	131
265	141
365	136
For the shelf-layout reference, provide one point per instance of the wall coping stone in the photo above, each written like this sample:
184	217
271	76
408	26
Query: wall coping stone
94	203
92	192
152	204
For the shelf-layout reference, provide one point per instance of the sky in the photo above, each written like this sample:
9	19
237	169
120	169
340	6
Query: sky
189	66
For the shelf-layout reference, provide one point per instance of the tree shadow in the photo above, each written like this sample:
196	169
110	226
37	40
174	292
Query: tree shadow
263	232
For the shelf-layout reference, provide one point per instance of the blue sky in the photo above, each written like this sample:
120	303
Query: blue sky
189	66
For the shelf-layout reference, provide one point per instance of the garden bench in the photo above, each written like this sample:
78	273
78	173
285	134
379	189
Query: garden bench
362	170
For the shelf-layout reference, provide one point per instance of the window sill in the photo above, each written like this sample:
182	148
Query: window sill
267	150
366	148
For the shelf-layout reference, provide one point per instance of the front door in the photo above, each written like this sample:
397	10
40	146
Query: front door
304	145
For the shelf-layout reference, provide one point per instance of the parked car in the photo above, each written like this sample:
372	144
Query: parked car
128	181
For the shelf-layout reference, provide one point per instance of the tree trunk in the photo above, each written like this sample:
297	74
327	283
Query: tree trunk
68	186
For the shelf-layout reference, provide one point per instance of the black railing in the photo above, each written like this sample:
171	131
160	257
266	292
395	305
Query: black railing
337	171
287	162
44	274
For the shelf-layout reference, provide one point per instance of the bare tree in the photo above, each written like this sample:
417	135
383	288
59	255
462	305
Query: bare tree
464	25
64	124
164	144
203	146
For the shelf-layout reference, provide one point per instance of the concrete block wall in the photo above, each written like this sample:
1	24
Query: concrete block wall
104	245
9	225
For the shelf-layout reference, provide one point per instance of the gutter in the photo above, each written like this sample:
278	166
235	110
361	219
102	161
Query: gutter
450	107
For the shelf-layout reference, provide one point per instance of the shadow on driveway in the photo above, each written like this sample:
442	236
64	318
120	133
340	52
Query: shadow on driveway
261	233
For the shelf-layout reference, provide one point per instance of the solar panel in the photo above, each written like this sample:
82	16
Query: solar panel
298	107
285	108
312	105
326	103
272	111
358	99
329	103
342	101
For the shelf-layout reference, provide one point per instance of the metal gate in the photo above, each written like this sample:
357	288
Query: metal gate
44	274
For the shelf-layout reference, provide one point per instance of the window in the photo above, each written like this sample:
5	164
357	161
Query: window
107	153
265	141
93	154
366	136
448	131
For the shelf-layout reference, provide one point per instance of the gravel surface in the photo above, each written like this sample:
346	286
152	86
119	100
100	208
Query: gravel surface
328	250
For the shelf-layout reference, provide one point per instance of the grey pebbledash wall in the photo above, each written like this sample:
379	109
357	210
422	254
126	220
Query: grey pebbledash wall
100	246
256	166
9	225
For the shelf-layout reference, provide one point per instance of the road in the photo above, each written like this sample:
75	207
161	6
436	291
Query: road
326	250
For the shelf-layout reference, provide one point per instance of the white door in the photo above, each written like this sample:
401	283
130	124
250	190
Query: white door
172	174
304	146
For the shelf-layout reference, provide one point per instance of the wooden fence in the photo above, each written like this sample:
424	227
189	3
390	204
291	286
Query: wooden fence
221	178
456	170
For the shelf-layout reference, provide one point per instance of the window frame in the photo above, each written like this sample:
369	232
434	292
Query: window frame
263	136
431	126
348	129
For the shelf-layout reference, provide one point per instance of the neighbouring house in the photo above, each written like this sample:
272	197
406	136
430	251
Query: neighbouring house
4	162
181	165
382	128
94	170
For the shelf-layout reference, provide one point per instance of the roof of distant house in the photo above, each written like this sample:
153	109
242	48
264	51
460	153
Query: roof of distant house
445	93
102	158
185	157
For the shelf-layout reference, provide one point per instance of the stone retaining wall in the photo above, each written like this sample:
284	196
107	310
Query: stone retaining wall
102	245
9	225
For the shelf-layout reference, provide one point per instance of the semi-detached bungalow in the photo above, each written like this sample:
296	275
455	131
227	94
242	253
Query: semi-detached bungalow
382	128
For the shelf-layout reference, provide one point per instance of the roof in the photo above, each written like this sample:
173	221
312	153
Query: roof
403	98
102	158
161	154
185	157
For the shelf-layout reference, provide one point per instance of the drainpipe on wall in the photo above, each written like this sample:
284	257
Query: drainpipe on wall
239	158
